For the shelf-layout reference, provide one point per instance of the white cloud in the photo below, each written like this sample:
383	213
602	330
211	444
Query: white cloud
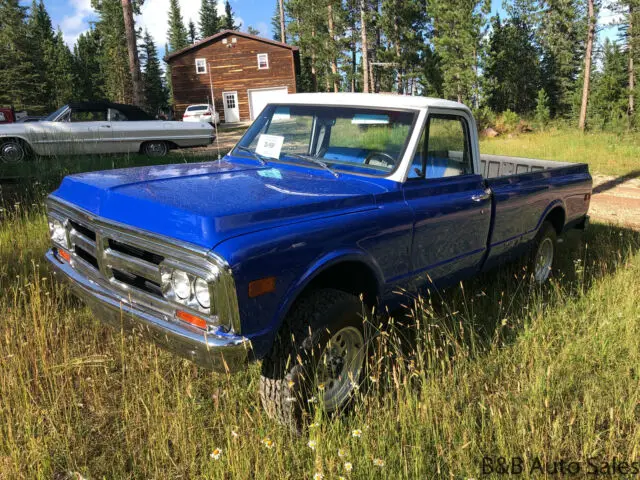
77	22
155	16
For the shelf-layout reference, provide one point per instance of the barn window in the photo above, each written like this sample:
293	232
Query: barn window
263	61
201	66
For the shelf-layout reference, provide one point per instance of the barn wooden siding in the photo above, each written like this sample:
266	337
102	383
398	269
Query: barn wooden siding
233	69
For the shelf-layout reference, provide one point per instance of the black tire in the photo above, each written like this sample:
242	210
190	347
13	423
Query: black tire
155	149
13	151
546	238
288	377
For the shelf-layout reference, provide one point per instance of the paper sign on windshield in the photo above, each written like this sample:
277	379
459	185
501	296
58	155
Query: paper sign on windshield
269	145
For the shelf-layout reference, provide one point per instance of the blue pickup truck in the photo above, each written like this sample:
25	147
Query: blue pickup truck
327	207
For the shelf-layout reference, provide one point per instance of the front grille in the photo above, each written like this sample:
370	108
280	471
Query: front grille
86	231
135	252
87	257
138	282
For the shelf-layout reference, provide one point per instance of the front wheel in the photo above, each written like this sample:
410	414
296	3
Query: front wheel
12	152
318	357
544	251
155	149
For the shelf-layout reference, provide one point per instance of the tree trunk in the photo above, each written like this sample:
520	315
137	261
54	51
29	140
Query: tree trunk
631	52
314	74
132	46
354	56
365	47
332	49
283	31
396	41
587	66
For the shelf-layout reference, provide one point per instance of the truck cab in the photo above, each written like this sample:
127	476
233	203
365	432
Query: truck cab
327	207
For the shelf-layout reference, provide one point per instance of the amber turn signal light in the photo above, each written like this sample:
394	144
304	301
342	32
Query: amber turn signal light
262	286
63	254
192	319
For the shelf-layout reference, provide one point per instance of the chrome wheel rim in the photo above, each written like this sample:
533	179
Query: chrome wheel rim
544	260
156	149
340	366
11	152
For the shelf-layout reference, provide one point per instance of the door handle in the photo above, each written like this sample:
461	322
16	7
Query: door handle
480	197
105	126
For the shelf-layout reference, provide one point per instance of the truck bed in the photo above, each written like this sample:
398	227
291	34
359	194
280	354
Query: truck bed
494	166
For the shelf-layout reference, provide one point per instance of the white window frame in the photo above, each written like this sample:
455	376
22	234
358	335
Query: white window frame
266	57
205	66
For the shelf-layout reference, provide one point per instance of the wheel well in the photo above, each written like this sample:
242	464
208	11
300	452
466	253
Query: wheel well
170	145
556	218
352	277
21	141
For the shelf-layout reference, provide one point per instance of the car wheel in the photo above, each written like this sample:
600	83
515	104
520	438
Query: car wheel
318	358
544	252
155	149
12	152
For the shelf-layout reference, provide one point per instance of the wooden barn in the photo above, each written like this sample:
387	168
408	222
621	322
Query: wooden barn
242	72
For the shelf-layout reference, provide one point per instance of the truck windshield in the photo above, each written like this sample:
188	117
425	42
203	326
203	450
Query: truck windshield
348	139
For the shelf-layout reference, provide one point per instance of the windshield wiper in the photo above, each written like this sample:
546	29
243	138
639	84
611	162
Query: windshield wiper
315	160
261	158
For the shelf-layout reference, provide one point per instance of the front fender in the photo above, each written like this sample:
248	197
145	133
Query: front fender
320	265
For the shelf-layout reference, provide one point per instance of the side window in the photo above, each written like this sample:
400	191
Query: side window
116	115
448	149
88	115
201	66
263	61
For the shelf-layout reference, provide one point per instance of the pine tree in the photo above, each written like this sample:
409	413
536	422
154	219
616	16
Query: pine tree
609	94
62	73
154	88
511	70
18	79
210	21
276	33
542	112
458	27
562	41
193	36
88	78
308	27
114	63
229	19
177	32
253	31
41	37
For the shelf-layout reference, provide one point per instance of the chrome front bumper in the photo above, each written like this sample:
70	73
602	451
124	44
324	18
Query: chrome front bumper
216	351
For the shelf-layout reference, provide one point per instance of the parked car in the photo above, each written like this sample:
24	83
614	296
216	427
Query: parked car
326	199
7	115
201	113
99	127
29	119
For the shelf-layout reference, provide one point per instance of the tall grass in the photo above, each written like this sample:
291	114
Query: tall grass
606	153
490	368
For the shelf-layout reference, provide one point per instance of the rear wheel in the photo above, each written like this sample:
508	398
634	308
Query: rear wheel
12	151
155	149
544	252
320	351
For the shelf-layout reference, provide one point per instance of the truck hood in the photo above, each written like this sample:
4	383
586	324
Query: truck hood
207	203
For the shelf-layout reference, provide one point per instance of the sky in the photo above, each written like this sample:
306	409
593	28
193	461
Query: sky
74	16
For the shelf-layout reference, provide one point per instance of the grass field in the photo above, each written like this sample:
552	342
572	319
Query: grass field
493	368
606	153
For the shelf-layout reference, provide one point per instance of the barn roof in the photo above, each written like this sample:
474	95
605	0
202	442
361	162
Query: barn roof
209	40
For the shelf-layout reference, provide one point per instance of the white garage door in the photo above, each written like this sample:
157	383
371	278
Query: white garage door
259	98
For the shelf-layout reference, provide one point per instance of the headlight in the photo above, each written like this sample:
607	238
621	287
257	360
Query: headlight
202	293
58	233
181	284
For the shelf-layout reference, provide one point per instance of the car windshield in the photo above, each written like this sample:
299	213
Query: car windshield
52	116
350	139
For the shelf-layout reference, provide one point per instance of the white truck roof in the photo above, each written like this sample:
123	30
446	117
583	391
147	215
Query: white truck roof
373	100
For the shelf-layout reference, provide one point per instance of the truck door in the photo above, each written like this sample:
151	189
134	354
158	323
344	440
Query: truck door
450	202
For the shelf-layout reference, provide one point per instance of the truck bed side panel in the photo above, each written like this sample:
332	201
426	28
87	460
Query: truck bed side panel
522	201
